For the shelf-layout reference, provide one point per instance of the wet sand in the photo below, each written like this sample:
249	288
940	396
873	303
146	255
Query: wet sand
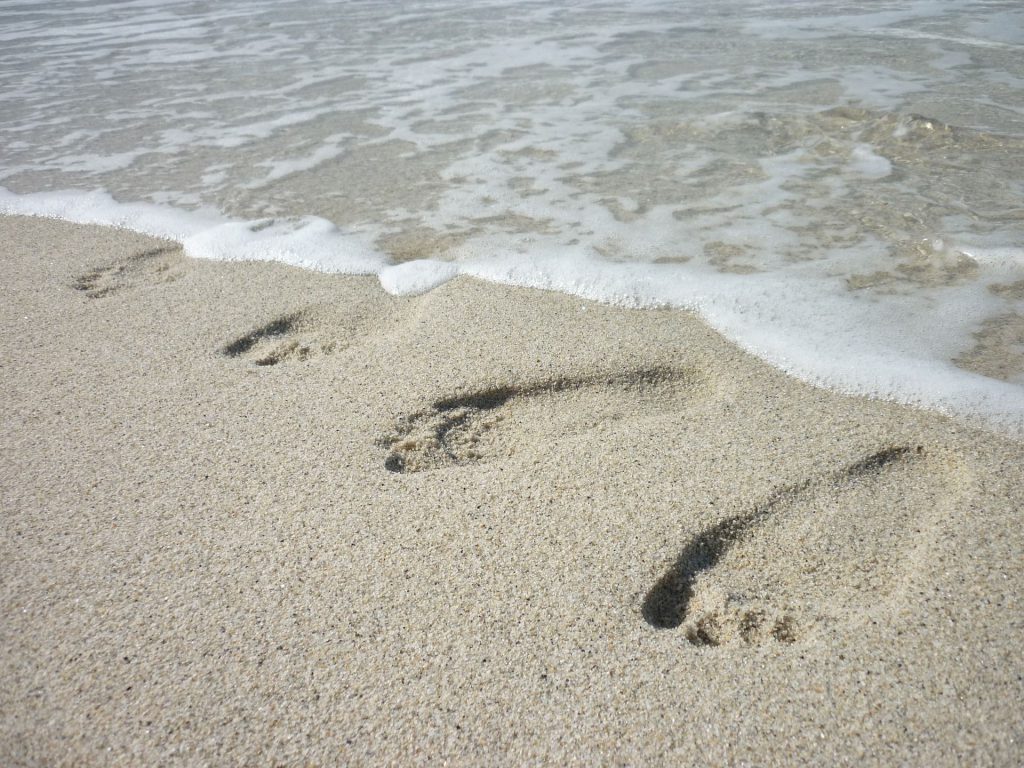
256	515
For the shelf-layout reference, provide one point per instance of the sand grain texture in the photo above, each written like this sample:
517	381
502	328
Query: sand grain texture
254	515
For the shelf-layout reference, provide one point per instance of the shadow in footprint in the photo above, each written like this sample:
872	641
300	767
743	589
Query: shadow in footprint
769	591
284	338
155	265
467	428
665	605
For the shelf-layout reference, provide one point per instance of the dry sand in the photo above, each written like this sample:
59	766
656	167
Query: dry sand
254	515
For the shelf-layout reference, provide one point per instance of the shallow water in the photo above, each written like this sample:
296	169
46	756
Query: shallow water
838	187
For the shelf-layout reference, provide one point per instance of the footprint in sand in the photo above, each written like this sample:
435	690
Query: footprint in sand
830	549
156	265
316	330
490	423
289	337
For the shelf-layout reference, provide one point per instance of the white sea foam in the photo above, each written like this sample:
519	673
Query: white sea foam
309	242
415	277
835	187
870	164
98	207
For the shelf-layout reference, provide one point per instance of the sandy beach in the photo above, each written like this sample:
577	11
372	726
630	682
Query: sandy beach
254	515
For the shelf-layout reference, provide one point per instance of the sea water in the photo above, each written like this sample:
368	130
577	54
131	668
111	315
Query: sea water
838	187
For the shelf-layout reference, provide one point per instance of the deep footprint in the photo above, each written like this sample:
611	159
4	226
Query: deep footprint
156	265
285	338
828	549
468	428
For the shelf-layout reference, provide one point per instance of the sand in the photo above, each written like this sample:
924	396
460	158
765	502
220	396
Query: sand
255	515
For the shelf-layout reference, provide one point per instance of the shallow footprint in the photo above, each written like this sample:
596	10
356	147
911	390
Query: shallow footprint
467	428
289	337
828	549
156	265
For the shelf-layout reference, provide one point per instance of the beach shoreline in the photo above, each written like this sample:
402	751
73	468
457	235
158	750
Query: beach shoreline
255	514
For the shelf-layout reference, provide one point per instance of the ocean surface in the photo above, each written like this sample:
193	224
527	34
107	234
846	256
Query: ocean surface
838	187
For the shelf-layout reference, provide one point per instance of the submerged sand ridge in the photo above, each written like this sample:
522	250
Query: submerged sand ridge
663	551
